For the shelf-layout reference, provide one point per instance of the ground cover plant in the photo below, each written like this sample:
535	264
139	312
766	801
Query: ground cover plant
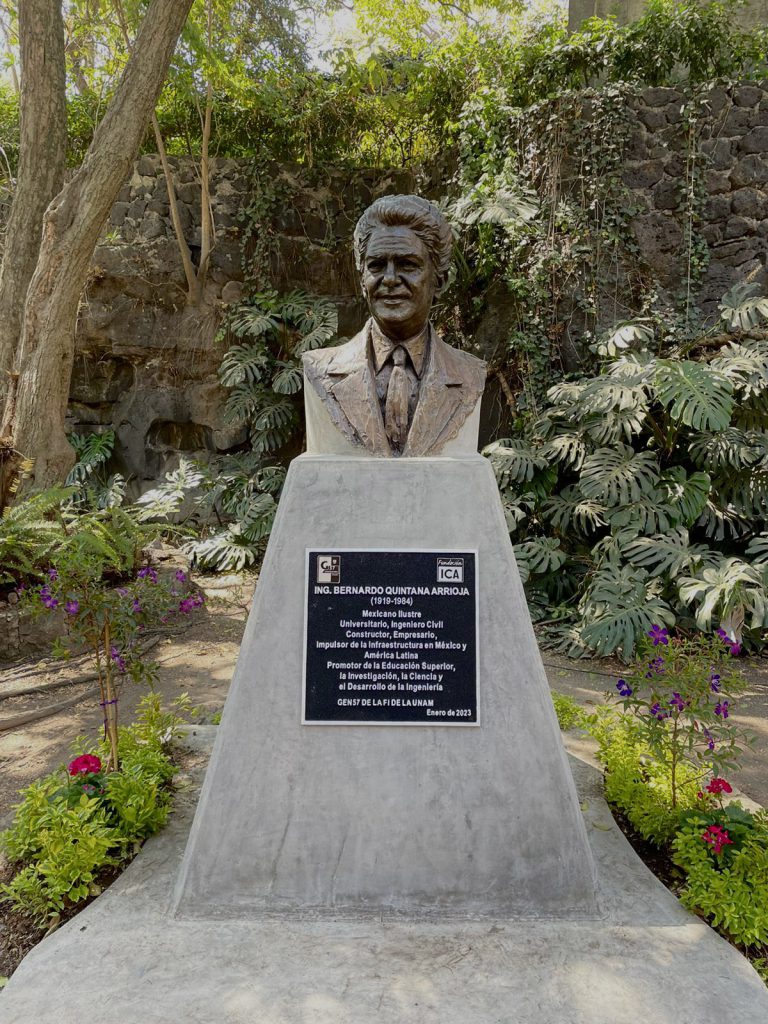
666	740
75	827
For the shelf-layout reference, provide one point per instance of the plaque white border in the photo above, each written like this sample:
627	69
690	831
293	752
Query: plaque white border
395	551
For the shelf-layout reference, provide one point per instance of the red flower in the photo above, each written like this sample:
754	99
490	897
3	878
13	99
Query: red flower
86	764
717	786
717	838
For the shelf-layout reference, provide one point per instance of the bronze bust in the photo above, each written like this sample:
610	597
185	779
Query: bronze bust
396	389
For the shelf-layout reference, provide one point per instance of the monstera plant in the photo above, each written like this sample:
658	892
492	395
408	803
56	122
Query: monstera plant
640	494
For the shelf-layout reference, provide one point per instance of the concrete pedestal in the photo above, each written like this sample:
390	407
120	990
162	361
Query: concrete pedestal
421	820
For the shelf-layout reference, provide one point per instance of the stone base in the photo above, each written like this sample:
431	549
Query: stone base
421	819
643	959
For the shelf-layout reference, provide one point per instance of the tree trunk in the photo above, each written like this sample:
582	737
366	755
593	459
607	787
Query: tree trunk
42	153
33	424
193	286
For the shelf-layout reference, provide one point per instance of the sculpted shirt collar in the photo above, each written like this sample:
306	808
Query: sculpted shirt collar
384	346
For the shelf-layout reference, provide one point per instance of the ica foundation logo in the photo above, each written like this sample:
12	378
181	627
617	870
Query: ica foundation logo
450	570
329	568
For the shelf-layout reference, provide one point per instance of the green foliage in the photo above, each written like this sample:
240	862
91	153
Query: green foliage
30	533
650	481
69	830
264	377
88	475
570	714
729	888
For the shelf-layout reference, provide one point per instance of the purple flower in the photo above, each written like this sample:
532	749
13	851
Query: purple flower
625	690
714	682
678	702
659	635
710	739
136	605
721	708
47	598
181	576
53	574
734	647
198	600
148	573
657	712
122	591
118	659
186	605
72	607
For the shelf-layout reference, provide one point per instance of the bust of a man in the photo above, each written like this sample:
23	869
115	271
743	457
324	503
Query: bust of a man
396	389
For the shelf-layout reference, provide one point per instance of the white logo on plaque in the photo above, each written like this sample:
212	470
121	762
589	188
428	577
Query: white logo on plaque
328	568
450	570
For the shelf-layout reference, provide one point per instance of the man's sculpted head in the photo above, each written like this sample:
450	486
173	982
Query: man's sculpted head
421	216
403	251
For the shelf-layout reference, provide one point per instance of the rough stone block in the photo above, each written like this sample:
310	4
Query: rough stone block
652	118
755	141
660	96
718	208
136	210
751	170
717	100
719	152
716	182
117	216
747	95
666	195
643	175
152	226
657	232
748	202
736	121
739	227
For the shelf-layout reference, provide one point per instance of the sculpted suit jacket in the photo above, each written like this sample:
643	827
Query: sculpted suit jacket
343	377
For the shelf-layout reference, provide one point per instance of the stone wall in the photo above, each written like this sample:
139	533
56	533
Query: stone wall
750	14
733	170
146	362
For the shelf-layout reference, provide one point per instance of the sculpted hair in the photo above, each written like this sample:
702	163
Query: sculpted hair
421	216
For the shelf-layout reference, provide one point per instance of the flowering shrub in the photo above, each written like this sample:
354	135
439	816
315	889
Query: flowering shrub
109	621
680	694
724	853
73	824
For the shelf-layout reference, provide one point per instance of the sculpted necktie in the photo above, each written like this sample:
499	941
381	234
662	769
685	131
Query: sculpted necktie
398	394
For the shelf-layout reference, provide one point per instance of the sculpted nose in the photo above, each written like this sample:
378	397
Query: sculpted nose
390	277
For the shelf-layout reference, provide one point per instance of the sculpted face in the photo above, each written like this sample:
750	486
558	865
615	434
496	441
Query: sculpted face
399	281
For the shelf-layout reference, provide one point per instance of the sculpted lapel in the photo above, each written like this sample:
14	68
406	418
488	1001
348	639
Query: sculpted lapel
343	377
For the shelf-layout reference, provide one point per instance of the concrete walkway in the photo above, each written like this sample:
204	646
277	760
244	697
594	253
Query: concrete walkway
124	960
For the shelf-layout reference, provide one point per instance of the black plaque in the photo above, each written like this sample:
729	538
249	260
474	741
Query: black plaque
391	638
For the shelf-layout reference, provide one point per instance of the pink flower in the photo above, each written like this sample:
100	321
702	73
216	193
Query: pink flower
181	576
86	764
